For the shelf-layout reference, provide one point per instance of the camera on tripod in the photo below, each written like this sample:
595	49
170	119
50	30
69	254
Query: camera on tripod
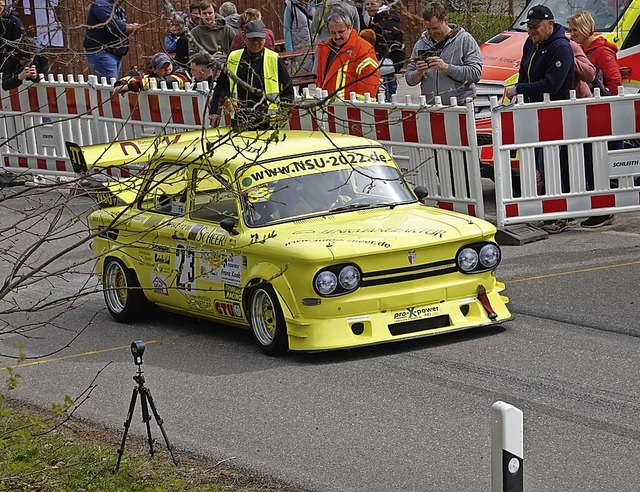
137	349
146	402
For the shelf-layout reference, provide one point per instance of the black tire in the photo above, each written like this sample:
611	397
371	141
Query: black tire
268	327
123	296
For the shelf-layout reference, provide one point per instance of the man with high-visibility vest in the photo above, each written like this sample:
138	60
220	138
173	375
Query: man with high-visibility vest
255	82
346	62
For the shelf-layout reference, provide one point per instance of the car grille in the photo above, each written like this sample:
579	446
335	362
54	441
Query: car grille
482	102
419	325
407	274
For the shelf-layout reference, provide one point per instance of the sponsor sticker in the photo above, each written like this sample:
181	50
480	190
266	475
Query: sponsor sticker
229	309
230	271
218	267
203	303
159	283
232	293
416	313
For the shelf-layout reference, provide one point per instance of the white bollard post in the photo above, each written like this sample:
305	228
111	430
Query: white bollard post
507	449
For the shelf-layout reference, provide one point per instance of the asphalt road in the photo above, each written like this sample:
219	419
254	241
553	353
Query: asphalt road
410	416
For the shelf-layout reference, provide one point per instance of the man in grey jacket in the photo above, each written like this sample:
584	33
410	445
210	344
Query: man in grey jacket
446	60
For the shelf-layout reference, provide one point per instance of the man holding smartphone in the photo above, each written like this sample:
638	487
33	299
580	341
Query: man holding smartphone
23	64
445	60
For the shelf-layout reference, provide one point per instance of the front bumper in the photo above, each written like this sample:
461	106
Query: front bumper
385	326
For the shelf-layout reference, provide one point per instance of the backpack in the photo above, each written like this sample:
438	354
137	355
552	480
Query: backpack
598	80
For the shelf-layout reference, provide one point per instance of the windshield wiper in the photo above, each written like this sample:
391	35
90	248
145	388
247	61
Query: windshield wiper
354	206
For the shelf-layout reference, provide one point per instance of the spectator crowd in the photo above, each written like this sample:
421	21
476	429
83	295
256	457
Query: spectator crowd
343	47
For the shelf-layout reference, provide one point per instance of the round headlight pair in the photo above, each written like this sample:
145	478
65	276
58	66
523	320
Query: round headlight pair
337	280
476	258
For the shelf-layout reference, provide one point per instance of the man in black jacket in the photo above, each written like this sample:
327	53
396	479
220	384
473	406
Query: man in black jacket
547	67
547	64
11	30
23	64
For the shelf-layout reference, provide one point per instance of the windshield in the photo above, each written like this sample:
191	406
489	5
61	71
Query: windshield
606	13
325	192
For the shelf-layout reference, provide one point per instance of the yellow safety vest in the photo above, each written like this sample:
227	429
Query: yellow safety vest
270	69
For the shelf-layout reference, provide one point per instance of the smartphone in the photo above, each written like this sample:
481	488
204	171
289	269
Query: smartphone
424	54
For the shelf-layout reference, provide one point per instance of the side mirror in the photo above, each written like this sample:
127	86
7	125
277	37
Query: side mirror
229	225
421	192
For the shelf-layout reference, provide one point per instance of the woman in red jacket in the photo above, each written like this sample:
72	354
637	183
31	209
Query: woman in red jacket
600	52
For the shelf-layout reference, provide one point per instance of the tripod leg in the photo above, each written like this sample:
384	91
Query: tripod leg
160	423
127	424
146	418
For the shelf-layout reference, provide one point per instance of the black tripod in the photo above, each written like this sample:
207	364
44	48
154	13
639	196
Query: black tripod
146	401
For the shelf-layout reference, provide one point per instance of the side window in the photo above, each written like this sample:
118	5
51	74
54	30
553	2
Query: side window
165	191
212	200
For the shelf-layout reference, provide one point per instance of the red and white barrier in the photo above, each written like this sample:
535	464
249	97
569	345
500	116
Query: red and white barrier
37	119
549	126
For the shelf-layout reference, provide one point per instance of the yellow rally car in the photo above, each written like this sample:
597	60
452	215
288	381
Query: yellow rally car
313	241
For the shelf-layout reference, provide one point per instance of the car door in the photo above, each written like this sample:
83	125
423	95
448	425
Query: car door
162	209
208	267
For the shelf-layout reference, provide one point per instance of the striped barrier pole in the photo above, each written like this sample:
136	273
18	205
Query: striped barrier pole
506	448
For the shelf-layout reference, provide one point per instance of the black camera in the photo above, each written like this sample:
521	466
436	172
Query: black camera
137	349
424	54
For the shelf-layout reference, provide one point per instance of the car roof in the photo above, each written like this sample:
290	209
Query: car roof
220	147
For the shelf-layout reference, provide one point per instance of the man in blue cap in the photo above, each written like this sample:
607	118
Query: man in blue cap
162	70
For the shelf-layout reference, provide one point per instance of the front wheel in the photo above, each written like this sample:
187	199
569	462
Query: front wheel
267	321
122	293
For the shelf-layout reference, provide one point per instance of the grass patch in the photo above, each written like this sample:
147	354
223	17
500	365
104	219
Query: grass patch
41	451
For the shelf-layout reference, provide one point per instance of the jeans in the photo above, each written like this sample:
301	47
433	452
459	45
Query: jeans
390	85
104	64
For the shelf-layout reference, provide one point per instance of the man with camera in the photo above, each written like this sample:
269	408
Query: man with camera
23	64
446	60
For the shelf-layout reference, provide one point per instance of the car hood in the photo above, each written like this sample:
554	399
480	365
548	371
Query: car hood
369	232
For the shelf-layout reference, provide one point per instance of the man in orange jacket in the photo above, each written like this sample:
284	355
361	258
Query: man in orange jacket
346	62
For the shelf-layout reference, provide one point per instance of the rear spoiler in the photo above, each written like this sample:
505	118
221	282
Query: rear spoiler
126	152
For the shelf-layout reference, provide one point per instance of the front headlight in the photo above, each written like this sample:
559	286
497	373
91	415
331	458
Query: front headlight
489	255
478	257
349	277
326	283
467	259
337	280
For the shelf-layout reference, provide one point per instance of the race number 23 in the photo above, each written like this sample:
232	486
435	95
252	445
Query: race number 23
186	268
